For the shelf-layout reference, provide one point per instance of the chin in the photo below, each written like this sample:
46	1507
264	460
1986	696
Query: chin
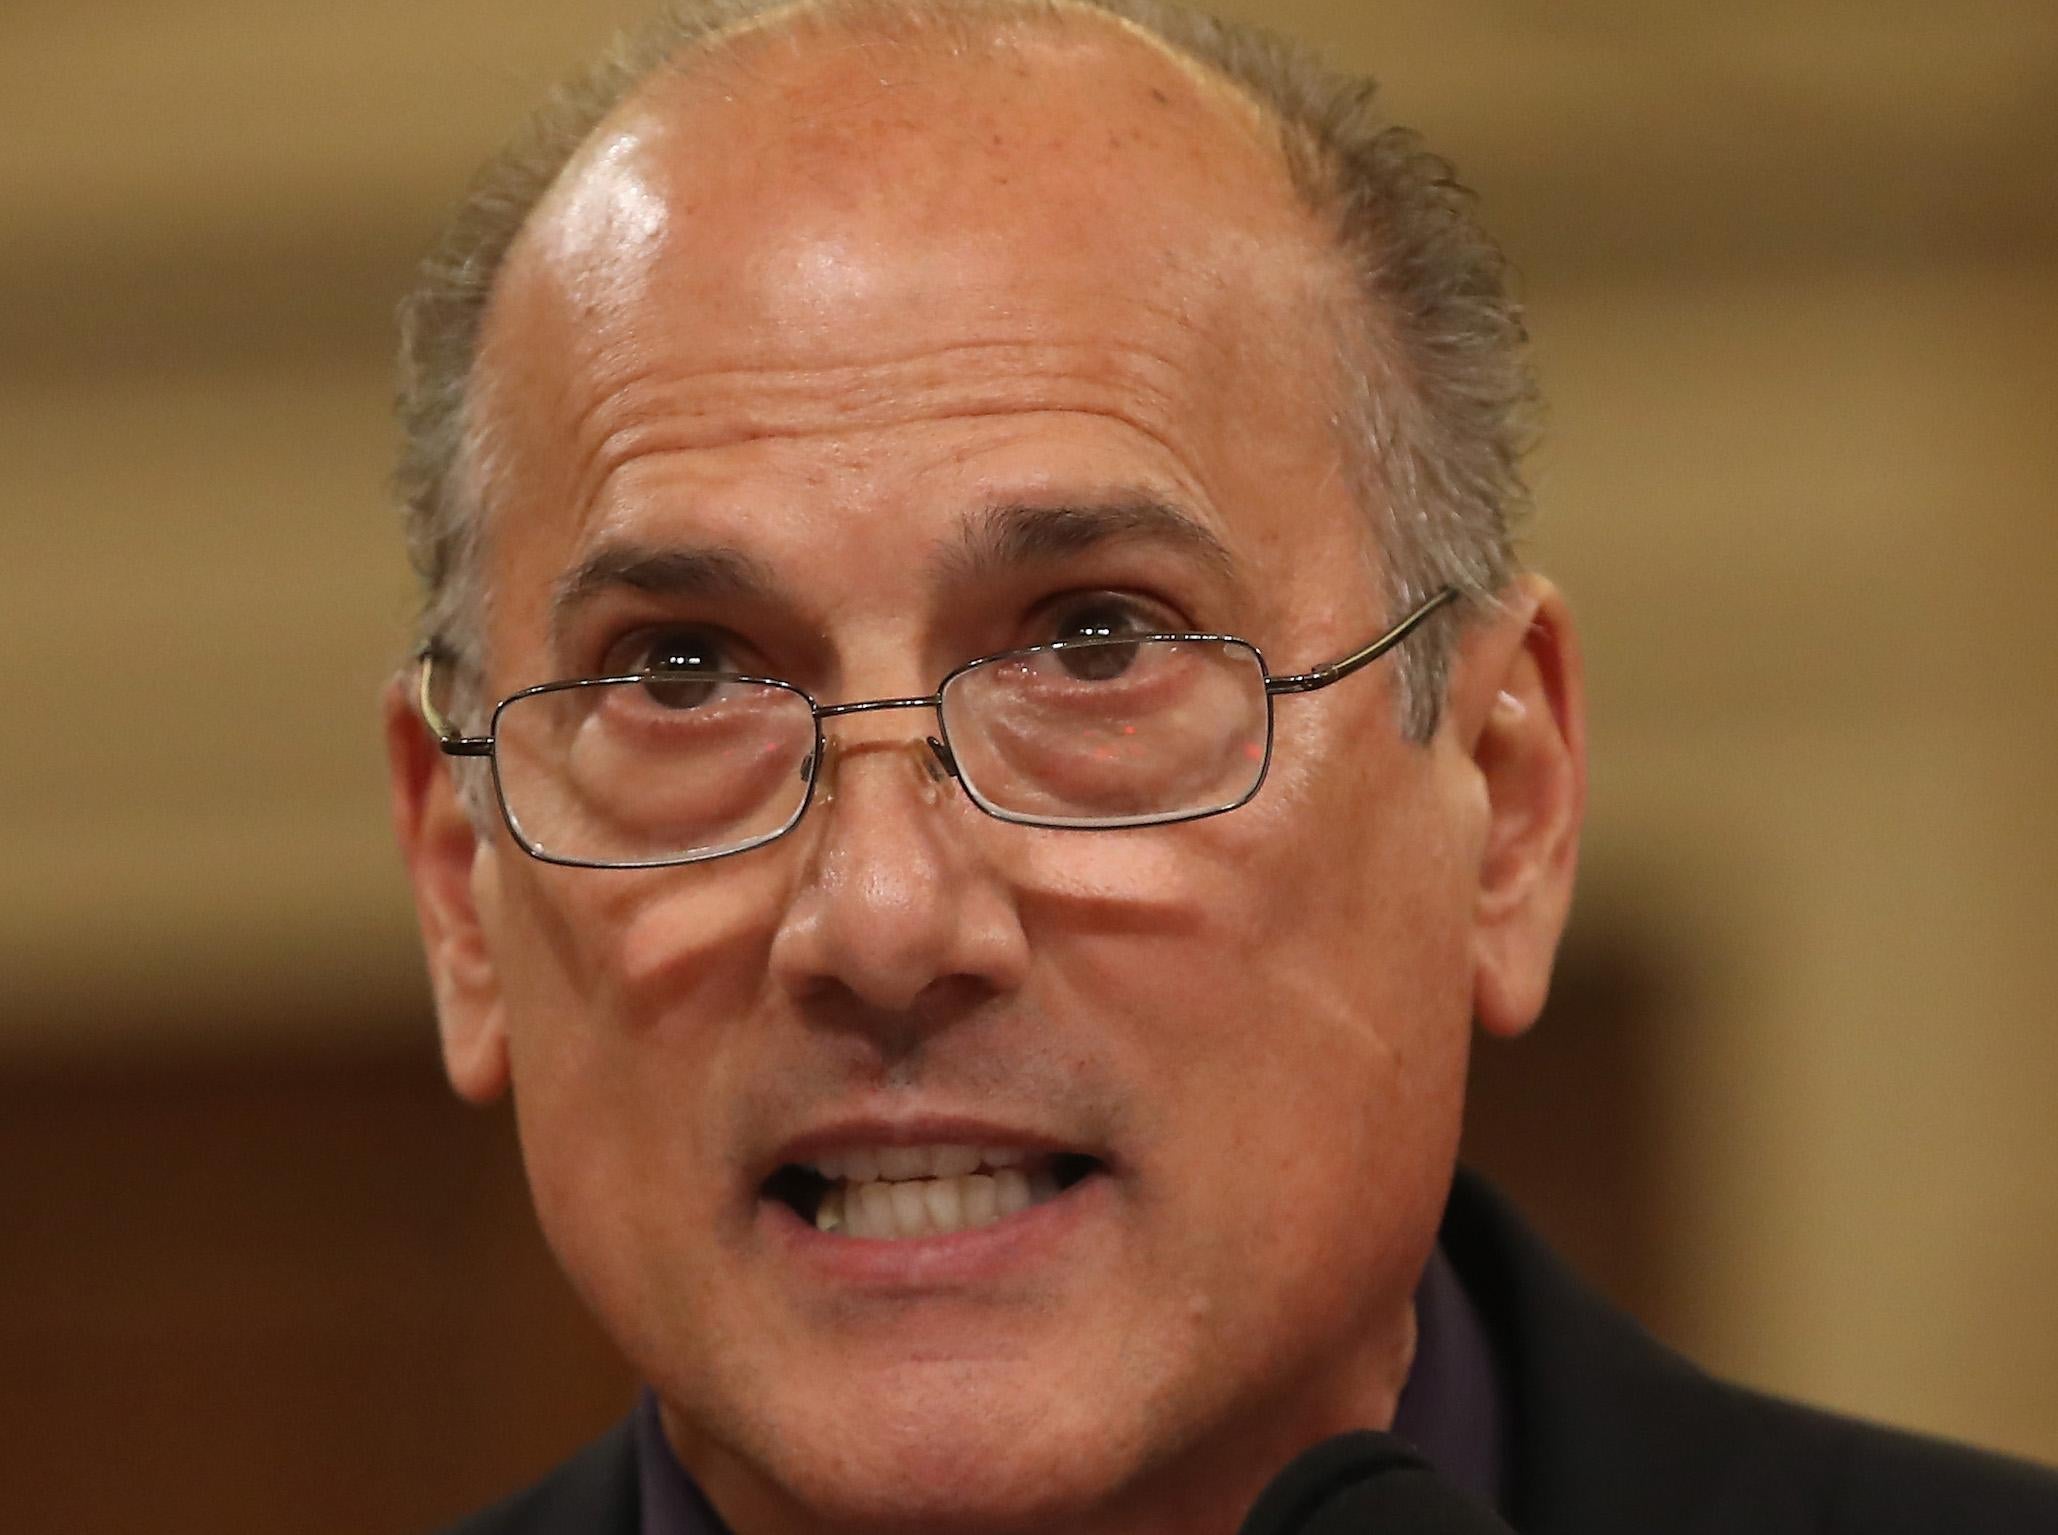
986	1464
937	1499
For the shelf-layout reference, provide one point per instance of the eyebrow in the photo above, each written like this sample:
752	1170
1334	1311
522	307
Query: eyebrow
1015	534
712	571
1001	537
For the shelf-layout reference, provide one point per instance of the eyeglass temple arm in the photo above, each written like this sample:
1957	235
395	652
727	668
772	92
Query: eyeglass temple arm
1336	671
446	734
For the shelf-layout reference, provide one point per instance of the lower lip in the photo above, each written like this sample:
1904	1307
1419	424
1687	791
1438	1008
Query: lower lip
1009	1247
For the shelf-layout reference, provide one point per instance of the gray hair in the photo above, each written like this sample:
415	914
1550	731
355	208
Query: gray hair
1437	396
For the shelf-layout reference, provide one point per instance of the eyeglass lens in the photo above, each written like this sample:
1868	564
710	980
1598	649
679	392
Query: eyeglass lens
678	765
1110	732
669	766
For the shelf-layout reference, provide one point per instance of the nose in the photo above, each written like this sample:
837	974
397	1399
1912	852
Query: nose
894	907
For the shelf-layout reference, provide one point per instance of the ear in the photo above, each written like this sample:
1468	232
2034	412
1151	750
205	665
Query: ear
1519	708
440	846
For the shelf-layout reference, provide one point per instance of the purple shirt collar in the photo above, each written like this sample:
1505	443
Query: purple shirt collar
1451	1409
672	1504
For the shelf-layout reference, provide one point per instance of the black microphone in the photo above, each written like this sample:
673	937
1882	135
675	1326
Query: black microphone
1366	1484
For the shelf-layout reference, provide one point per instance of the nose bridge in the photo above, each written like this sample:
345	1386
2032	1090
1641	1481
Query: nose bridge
866	706
877	792
856	730
890	898
842	758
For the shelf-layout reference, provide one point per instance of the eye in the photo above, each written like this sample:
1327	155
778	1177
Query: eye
677	660
1091	630
1100	618
675	648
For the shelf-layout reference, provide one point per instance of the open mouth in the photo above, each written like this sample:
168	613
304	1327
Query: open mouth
892	1193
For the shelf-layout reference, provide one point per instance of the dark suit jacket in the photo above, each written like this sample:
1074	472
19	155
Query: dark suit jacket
1612	1434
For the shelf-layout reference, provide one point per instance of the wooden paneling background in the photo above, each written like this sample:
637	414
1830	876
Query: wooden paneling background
1793	272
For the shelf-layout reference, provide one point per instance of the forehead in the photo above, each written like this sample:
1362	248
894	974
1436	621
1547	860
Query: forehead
817	236
1119	159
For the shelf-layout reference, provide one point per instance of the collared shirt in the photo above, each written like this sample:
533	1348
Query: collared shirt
1450	1409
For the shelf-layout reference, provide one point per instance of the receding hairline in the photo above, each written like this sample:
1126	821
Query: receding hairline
910	20
914	24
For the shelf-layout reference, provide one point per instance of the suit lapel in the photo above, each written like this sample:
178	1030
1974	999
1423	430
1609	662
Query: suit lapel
1613	1433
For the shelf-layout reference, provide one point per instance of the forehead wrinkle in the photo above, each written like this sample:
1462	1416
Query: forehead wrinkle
647	413
720	406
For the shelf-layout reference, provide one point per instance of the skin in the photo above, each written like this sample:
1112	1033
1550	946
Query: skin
1062	272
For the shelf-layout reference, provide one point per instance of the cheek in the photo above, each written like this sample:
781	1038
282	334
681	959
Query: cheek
615	1048
628	973
1289	984
623	1167
1298	1086
1333	907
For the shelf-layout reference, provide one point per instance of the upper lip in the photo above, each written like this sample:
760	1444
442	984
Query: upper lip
843	1135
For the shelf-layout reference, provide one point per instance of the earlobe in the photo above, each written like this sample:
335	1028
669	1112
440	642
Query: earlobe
441	848
1526	735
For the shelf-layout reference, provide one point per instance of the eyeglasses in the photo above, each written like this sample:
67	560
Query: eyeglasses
676	766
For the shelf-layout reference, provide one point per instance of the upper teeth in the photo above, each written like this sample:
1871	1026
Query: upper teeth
910	1191
898	1163
931	1206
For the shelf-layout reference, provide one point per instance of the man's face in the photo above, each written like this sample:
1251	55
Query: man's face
855	322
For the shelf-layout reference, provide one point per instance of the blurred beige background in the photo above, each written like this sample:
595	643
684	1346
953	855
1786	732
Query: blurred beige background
1793	272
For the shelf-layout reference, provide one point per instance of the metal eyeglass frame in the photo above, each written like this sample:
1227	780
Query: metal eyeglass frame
453	744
